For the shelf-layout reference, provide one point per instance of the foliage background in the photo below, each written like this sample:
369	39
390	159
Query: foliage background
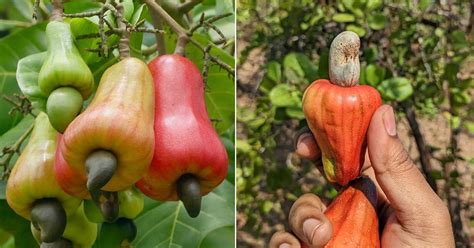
161	224
418	54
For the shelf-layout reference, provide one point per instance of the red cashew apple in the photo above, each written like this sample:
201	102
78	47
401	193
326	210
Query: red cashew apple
339	111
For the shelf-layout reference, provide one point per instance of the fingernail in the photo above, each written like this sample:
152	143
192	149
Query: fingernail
284	245
309	228
389	122
299	143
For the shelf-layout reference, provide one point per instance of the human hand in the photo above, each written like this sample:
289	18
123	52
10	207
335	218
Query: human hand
410	213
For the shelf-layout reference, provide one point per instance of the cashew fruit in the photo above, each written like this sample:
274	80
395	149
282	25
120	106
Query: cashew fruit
31	189
109	146
64	76
189	158
353	216
339	111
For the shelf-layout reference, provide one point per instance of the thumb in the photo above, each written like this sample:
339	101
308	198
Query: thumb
402	182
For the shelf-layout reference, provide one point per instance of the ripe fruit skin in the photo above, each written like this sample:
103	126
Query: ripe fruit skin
69	179
185	141
353	216
339	118
118	120
65	71
32	177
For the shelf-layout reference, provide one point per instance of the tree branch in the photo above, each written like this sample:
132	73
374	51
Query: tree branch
23	107
160	39
124	43
9	151
180	32
57	13
165	17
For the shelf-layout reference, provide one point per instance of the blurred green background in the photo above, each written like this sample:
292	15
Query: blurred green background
418	54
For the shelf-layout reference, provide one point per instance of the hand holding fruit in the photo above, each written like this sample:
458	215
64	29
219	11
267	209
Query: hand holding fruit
410	213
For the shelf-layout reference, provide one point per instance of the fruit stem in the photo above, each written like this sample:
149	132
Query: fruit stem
344	65
57	13
189	192
48	217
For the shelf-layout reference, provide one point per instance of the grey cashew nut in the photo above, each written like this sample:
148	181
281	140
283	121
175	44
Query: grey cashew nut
344	65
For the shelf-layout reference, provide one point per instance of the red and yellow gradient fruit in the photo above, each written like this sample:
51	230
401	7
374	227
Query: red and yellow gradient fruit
339	111
189	159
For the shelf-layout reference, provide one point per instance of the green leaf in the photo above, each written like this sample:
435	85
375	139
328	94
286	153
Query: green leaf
317	16
128	9
295	113
11	136
213	8
396	88
166	224
348	4
27	77
363	75
230	148
377	21
267	206
454	174
292	68
83	26
274	71
323	65
343	17
3	188
309	68
454	122
243	146
373	4
360	31
374	74
77	6
469	125
14	47
424	4
371	54
283	96
436	174
24	8
138	14
6	239
216	238
298	66
136	38
458	39
17	226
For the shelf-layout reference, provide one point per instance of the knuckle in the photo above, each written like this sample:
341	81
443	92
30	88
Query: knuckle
399	161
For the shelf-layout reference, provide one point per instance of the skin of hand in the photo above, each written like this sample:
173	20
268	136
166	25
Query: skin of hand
410	212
